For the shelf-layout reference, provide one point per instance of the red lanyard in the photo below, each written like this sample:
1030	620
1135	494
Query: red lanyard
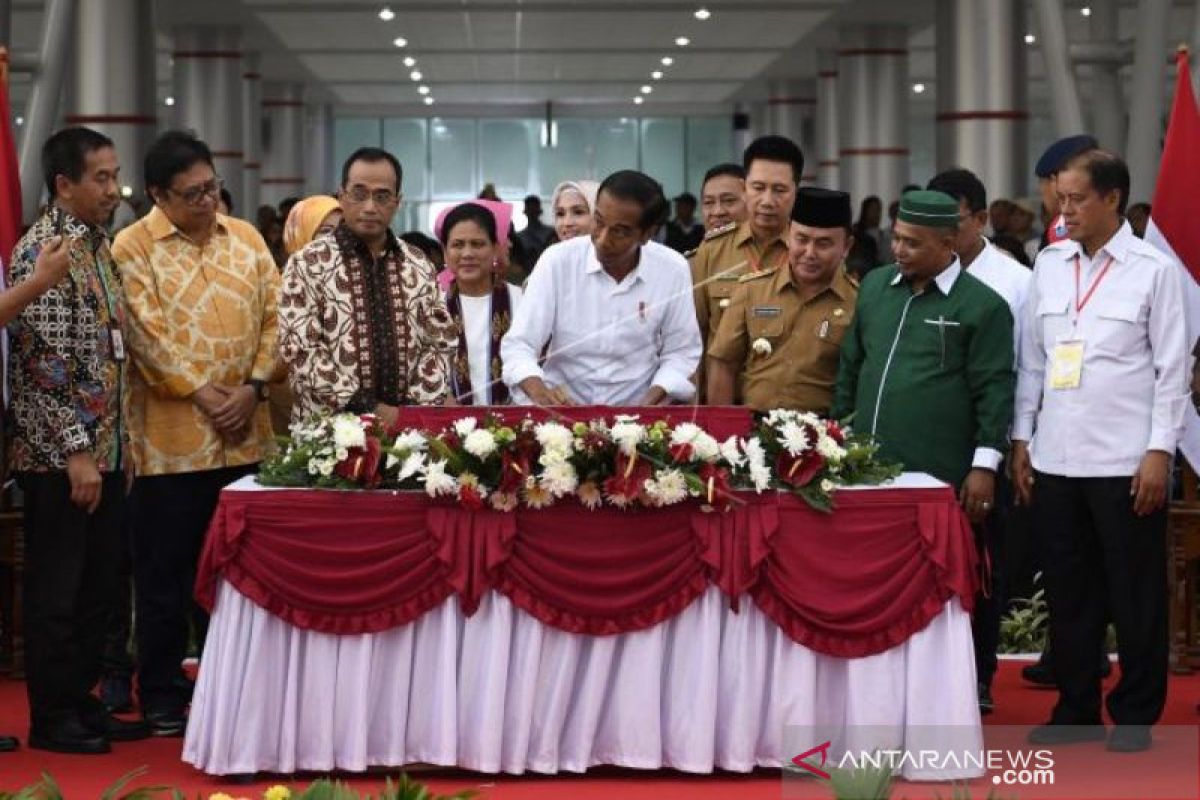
1079	304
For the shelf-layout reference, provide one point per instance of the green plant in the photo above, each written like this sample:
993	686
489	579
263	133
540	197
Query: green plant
861	783
1024	628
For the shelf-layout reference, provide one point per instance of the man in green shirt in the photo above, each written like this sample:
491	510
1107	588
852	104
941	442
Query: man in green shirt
927	365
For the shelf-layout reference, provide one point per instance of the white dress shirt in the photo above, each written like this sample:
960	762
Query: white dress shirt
1005	276
1133	391
610	342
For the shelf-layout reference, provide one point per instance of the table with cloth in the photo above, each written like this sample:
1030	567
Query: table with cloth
358	629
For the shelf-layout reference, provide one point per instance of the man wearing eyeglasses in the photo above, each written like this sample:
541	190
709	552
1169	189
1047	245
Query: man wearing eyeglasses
200	290
362	325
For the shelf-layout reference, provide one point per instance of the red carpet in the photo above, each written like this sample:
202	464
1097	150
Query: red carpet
83	777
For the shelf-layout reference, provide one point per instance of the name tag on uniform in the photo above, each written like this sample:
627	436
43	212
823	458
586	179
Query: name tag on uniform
1066	364
766	311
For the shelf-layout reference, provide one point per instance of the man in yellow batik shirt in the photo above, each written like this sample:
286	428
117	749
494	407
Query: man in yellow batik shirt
201	292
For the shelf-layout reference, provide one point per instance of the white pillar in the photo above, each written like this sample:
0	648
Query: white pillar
319	175
827	120
41	111
114	89
1147	98
790	104
872	85
1108	105
1064	93
283	151
251	137
208	91
981	91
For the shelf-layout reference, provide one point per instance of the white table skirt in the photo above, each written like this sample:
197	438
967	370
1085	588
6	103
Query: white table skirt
502	692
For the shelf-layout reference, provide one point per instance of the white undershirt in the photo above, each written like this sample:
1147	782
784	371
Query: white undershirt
477	327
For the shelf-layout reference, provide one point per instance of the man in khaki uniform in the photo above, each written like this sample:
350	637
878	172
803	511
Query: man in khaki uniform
782	332
773	165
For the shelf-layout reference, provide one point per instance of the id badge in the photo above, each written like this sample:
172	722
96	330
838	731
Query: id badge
118	344
1066	364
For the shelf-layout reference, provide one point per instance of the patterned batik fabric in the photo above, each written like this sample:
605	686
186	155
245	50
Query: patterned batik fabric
198	315
496	393
66	384
356	331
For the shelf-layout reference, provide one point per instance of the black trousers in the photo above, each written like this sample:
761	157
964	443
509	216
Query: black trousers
990	540
118	661
170	517
70	579
1099	559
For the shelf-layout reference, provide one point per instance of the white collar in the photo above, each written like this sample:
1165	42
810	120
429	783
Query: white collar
1117	247
946	278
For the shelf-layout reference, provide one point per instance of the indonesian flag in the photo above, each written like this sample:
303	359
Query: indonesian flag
1175	214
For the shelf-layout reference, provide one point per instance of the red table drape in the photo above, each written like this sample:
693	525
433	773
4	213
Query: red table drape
850	584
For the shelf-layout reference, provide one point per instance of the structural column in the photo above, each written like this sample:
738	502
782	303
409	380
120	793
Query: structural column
251	137
1147	98
790	106
319	177
827	120
981	101
1065	107
41	111
208	96
872	83
283	153
1108	106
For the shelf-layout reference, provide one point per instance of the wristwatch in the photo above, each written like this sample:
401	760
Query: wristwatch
260	389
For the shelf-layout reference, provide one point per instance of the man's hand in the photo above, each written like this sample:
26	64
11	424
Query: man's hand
978	493
655	396
210	398
85	481
542	395
387	415
1149	486
1020	471
234	414
52	264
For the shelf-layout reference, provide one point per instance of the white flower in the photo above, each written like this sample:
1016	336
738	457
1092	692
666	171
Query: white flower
326	468
667	488
503	502
342	454
391	460
794	438
479	443
348	432
826	486
437	482
465	425
560	478
627	434
829	449
590	496
732	452
554	437
410	440
412	465
756	457
761	346
704	446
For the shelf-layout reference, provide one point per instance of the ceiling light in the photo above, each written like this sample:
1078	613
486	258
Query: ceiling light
400	41
1086	11
386	14
170	101
683	41
657	75
647	89
20	121
409	61
423	90
667	61
918	88
127	191
415	75
1030	38
703	14
638	100
428	101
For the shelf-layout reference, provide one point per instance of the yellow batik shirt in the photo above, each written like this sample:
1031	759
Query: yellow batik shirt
196	315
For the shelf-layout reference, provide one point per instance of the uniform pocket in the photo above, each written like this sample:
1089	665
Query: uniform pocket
1118	327
1052	317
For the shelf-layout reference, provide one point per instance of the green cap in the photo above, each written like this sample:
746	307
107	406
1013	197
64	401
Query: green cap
928	208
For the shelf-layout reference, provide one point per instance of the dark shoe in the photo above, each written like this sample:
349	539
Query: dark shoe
1054	733
8	744
986	704
1040	674
1129	739
116	692
119	730
70	736
166	722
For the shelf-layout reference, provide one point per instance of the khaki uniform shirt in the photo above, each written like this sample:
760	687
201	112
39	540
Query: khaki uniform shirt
723	257
805	338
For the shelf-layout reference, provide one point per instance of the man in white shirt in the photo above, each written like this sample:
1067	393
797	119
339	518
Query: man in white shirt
616	311
1101	396
1003	275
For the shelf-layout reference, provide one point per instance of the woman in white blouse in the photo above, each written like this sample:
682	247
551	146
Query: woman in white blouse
481	301
573	203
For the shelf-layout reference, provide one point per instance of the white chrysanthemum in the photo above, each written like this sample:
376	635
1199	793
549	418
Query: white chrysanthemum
827	486
560	479
348	432
704	446
627	435
413	465
465	425
829	449
667	488
480	443
437	482
756	460
341	454
391	460
732	452
327	468
794	438
411	440
555	437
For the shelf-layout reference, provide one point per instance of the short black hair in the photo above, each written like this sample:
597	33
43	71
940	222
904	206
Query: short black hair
172	153
65	153
629	184
373	155
426	244
1107	171
775	148
961	184
227	199
469	212
730	169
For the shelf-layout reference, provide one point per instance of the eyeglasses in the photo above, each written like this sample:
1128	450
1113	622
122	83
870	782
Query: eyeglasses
361	194
194	195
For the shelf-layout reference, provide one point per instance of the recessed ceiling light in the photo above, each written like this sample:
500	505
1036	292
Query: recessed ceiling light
1086	11
170	101
415	75
656	75
409	61
428	101
638	100
918	88
667	61
682	41
647	89
423	90
400	41
1030	38
126	191
20	120
703	13
386	14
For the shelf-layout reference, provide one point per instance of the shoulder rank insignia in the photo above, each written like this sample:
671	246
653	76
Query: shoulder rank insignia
720	231
762	273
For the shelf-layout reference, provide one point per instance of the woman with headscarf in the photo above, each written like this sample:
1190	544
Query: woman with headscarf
573	204
474	239
310	219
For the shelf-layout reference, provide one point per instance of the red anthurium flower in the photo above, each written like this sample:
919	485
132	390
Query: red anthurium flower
799	471
470	498
514	469
630	474
361	464
835	431
717	492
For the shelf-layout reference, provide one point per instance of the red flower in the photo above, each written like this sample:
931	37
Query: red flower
717	492
470	498
361	464
514	469
835	431
629	476
799	471
681	453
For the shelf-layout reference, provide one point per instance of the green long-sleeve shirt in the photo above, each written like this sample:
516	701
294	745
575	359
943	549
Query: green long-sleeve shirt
930	375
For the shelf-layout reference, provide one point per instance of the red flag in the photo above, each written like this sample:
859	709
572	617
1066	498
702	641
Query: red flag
10	176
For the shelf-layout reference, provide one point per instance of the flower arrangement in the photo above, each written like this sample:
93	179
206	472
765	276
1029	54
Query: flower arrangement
622	461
